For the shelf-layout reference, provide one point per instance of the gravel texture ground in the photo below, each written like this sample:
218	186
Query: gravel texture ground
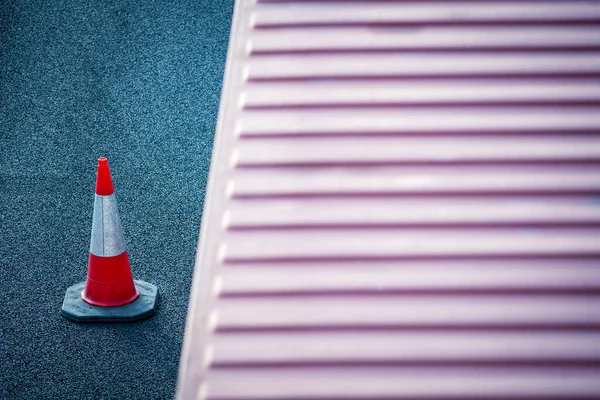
138	82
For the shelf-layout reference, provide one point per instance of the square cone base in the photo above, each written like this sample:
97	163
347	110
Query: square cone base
75	309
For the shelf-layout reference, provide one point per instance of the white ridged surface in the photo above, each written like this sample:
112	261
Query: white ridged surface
365	39
379	66
404	383
449	12
403	348
397	122
450	276
445	93
404	203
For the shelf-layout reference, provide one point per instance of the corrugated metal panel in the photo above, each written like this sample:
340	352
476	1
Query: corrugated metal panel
404	203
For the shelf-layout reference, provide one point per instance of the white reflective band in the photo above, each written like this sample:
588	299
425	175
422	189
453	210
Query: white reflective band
107	238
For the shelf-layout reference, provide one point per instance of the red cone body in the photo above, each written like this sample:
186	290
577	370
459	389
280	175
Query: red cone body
109	282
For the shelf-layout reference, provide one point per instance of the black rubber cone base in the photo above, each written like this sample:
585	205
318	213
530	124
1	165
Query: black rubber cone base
74	308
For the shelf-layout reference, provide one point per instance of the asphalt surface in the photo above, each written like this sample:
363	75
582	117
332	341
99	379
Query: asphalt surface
138	82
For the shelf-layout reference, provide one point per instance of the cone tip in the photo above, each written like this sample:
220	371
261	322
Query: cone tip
104	184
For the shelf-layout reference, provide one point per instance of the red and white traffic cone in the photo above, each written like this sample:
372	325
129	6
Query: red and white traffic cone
109	293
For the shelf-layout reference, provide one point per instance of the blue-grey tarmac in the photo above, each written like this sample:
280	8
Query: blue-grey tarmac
138	82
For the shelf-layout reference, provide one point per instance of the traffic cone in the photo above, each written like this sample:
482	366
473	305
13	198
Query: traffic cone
109	293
